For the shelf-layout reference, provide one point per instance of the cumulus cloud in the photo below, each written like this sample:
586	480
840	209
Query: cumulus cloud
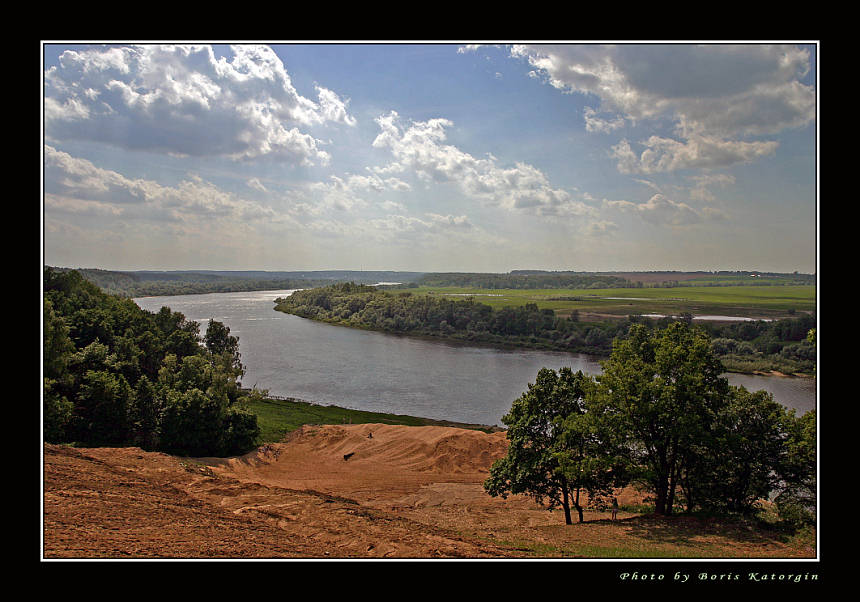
74	185
601	228
349	192
701	189
665	154
181	99
420	147
662	211
256	184
593	123
717	94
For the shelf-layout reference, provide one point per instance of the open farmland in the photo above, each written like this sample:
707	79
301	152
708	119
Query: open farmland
738	301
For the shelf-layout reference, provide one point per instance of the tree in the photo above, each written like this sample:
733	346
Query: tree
592	455
532	464
742	458
218	340
797	497
101	410
115	374
665	387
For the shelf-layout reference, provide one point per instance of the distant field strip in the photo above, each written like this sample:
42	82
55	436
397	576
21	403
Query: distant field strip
741	300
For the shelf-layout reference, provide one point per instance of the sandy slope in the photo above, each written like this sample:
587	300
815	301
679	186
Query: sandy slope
300	498
401	492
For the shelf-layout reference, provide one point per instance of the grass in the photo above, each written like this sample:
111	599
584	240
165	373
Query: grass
277	417
743	301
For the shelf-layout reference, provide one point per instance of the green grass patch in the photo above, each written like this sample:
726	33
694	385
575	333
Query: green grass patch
277	417
742	301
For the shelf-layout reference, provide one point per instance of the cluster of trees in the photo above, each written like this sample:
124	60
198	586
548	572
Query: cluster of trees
117	375
465	319
524	280
778	345
661	416
784	345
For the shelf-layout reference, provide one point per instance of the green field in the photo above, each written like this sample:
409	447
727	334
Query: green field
277	417
739	301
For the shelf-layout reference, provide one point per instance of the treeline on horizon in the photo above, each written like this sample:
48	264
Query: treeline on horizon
188	282
541	279
166	283
117	375
785	345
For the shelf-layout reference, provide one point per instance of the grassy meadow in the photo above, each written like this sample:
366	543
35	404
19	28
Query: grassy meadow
738	301
277	417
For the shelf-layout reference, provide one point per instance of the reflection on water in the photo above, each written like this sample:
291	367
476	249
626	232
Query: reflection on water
326	364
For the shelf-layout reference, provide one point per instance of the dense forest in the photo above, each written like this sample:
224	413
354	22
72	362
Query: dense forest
784	345
117	375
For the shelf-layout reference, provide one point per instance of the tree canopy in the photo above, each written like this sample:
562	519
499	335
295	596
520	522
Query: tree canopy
115	374
659	415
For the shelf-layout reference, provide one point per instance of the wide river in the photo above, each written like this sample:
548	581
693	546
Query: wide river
335	365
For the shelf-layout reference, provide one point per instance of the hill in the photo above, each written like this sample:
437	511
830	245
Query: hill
405	492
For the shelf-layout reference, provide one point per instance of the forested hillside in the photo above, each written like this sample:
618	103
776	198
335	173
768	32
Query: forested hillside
164	283
117	375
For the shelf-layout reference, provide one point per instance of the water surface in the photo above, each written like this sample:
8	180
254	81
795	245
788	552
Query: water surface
358	369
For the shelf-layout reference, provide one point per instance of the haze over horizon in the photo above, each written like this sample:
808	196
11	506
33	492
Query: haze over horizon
430	157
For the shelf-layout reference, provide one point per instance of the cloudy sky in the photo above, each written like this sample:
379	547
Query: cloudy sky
430	157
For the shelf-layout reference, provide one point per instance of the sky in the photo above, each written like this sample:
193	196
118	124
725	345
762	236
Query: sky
430	157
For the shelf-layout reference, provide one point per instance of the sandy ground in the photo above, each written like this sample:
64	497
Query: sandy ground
336	491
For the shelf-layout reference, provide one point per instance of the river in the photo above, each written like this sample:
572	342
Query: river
335	365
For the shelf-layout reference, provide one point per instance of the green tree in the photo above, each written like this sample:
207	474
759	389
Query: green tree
115	374
665	387
592	453
741	459
532	464
796	499
101	409
218	340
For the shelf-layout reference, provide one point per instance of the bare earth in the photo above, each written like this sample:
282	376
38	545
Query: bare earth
337	491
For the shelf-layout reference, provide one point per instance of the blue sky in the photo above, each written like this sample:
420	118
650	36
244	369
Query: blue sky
430	157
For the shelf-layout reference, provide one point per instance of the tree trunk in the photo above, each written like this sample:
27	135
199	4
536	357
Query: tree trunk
565	503
660	489
577	506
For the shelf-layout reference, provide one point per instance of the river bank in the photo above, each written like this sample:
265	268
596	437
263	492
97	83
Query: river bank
747	366
442	379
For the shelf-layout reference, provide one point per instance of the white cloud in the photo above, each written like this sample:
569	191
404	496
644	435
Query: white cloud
700	191
183	100
593	123
716	94
349	192
601	228
662	211
75	185
256	184
419	147
696	152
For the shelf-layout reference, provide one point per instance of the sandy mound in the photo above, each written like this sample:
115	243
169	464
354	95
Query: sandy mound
369	461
